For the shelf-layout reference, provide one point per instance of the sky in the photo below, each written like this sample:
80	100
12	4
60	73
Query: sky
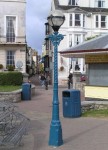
36	16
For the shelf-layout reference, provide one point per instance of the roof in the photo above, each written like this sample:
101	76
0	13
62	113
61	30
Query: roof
95	45
87	9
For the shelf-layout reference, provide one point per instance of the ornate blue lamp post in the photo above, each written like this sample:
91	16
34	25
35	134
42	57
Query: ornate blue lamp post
55	19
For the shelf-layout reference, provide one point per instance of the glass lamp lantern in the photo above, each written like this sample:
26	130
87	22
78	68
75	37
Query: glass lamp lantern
56	19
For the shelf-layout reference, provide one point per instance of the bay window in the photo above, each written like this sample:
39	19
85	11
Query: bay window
77	39
101	21
97	21
77	20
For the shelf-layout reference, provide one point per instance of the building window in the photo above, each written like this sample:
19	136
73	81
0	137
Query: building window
103	21
47	44
77	20
10	58
83	20
47	28
70	40
100	3
72	2
70	21
10	28
77	39
77	68
50	45
97	21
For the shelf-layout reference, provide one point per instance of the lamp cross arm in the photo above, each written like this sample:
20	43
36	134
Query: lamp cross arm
56	38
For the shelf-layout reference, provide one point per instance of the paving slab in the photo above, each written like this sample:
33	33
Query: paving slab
78	133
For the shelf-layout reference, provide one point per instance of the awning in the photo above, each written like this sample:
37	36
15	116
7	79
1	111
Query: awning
98	45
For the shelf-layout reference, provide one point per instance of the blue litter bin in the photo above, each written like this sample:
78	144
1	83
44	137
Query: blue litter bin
26	91
71	103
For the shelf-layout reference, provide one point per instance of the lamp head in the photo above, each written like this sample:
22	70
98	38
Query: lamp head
56	19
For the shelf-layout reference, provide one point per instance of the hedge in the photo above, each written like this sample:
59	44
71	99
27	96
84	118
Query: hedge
11	78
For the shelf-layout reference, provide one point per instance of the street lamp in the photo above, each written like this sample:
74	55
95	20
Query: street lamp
55	19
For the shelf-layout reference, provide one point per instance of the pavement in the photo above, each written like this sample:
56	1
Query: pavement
83	133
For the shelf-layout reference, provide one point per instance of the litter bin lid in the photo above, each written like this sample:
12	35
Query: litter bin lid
70	90
26	84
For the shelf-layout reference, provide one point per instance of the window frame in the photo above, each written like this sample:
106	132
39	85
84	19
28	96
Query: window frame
72	3
100	3
10	57
77	36
77	20
99	21
70	20
72	36
105	21
46	29
83	20
47	44
16	25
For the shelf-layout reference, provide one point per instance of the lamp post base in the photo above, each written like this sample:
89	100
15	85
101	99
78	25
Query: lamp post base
55	138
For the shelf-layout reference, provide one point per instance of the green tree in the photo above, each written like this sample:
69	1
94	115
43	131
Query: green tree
41	67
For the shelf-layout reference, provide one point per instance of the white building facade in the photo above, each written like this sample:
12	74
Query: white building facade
83	20
12	33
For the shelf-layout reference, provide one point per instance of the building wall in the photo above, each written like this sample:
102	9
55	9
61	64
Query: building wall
63	2
82	3
16	8
19	56
98	92
2	57
88	31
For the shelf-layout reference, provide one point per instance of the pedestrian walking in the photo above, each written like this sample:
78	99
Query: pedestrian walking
46	83
42	80
70	80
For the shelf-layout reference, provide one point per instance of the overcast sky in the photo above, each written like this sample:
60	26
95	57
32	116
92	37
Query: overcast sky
36	15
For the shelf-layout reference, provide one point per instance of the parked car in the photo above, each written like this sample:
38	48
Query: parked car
83	78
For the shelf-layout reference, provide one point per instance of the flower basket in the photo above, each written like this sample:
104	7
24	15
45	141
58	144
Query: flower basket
1	66
61	68
10	67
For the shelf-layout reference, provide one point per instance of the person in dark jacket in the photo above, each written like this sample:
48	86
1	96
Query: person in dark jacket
42	79
70	80
46	83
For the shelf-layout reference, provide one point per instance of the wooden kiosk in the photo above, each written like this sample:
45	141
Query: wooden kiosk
95	53
97	72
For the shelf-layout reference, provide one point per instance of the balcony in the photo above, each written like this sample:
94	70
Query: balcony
18	40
